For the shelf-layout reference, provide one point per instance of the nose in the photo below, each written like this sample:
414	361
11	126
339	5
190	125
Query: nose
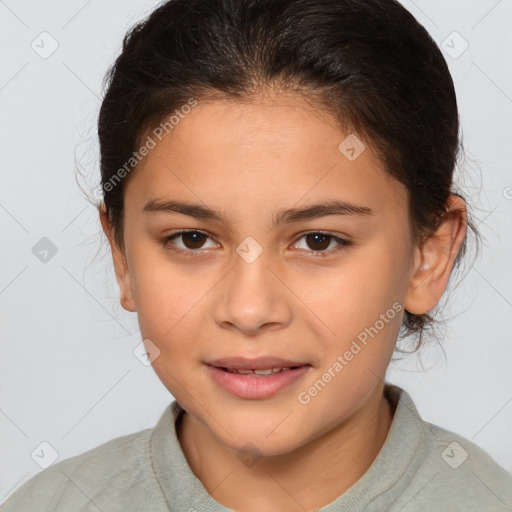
253	297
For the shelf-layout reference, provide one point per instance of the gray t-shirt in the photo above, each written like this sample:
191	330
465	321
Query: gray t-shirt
421	467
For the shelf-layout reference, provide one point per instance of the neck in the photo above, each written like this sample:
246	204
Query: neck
308	478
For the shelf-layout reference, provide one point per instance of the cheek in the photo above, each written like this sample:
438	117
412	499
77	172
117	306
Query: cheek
362	305
366	285
163	296
172	315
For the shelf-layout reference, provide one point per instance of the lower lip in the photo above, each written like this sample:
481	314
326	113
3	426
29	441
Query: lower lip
253	387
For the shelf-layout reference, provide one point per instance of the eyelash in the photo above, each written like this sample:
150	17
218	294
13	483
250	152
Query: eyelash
343	243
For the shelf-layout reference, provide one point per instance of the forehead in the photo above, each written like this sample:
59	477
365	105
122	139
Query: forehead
278	124
276	150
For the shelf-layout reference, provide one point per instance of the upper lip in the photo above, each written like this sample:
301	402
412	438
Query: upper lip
260	363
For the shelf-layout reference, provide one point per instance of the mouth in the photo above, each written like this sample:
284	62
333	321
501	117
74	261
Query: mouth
260	373
256	378
267	365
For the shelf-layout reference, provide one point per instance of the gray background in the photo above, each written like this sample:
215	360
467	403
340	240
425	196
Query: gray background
68	375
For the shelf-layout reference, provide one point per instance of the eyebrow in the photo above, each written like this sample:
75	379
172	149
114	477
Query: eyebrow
314	211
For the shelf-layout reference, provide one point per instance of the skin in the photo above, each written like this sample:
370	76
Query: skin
249	161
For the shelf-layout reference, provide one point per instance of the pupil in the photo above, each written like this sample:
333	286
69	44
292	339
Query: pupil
317	237
196	238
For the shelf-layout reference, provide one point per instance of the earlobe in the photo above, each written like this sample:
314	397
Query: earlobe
123	280
120	264
435	258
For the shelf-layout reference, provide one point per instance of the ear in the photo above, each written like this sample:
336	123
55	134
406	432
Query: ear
120	263
434	259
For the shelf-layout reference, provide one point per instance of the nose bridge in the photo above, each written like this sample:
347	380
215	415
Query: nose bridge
252	296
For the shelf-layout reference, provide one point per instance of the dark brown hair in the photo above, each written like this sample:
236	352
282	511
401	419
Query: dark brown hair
368	63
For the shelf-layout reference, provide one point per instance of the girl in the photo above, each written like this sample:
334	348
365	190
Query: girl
279	201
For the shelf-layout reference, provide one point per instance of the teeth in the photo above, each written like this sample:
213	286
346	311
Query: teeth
265	372
270	371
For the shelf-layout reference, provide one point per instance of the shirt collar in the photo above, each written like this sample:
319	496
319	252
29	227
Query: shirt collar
395	465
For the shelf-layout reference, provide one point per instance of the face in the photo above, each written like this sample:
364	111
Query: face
254	278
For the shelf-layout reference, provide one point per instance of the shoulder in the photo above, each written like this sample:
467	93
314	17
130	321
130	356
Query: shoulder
456	474
103	478
432	468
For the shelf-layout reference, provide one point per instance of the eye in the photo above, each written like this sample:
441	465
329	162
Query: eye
319	241
191	241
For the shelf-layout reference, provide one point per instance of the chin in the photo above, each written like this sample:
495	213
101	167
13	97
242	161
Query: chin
256	442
